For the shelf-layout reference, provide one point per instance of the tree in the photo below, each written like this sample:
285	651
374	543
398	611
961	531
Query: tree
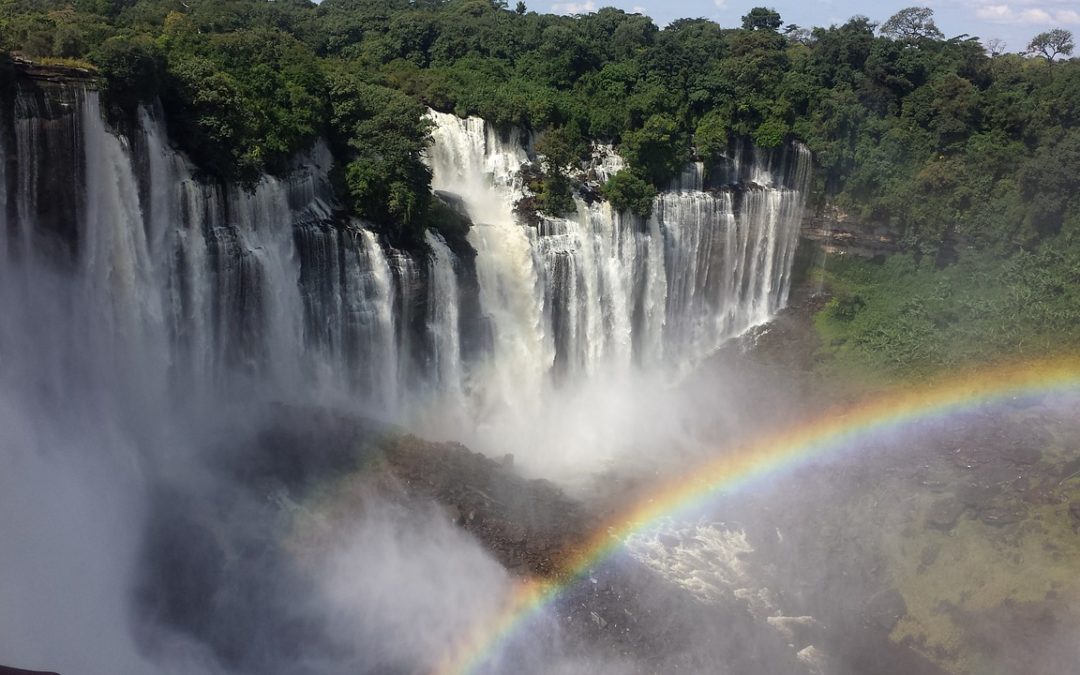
1049	185
762	18
627	191
657	150
912	24
711	135
995	46
770	134
1051	44
381	134
559	148
799	35
520	8
132	68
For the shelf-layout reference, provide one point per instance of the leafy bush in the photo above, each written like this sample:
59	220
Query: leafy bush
771	134
381	134
910	315
935	137
133	68
659	149
628	191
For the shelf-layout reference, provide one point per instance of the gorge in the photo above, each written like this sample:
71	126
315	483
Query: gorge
158	322
190	282
453	336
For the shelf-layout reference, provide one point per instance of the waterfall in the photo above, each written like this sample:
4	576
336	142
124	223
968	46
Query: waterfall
153	317
173	274
5	252
381	347
730	252
611	291
588	314
201	287
470	159
444	319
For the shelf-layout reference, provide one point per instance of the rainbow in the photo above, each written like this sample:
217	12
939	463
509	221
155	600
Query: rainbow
816	439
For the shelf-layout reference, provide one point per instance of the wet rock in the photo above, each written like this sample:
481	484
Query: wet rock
814	659
1038	495
521	520
930	555
1070	469
798	631
967	457
1074	514
1002	514
999	473
978	495
1021	484
944	514
668	540
1023	454
1025	402
885	608
454	514
945	607
516	533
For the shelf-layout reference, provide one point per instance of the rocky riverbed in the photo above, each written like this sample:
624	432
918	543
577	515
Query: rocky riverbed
949	549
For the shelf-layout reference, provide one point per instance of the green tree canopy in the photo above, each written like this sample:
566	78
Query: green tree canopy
1051	44
935	138
912	23
762	18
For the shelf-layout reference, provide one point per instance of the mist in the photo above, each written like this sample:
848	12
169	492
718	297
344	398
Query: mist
173	462
231	428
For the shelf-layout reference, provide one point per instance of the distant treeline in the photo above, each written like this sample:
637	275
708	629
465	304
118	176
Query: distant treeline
949	140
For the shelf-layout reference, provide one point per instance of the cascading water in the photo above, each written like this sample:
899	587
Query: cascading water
613	290
194	280
731	255
444	319
587	303
469	159
146	309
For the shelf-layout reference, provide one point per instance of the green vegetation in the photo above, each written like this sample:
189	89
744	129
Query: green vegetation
909	315
956	146
627	191
933	135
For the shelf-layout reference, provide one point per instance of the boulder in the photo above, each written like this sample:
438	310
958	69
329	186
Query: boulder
1074	514
885	609
944	514
1002	514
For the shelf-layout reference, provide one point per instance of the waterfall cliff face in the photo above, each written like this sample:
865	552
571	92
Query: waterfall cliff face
173	277
602	290
198	287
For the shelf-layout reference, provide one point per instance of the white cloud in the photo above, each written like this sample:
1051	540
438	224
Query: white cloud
1007	14
574	7
994	13
1023	12
1035	15
720	4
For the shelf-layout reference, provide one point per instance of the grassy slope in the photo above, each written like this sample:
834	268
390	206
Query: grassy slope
897	320
904	317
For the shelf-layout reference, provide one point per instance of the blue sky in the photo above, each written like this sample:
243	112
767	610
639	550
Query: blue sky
1013	21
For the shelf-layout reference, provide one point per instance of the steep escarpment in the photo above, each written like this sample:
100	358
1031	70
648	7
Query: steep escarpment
275	282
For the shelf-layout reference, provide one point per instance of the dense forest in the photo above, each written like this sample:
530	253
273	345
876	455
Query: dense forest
966	152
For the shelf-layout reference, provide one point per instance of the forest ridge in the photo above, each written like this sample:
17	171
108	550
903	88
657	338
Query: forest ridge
969	154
